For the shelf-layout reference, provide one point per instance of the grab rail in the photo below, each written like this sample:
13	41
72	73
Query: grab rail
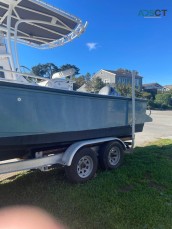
25	74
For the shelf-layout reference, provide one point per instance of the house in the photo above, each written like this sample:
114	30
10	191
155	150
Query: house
167	88
152	88
118	77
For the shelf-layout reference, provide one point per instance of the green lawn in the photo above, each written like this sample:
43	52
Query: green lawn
137	195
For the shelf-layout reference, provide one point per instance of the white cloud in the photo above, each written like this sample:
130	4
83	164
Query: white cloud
92	45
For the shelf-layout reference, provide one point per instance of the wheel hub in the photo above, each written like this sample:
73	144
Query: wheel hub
85	166
114	156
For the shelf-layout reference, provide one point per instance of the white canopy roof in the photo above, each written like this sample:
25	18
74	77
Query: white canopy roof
37	24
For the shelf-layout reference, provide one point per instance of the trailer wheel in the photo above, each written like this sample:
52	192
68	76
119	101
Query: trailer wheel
83	167
111	155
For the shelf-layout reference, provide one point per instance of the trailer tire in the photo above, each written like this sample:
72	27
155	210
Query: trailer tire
83	167
111	155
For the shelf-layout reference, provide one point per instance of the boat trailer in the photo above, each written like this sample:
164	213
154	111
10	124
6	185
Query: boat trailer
80	159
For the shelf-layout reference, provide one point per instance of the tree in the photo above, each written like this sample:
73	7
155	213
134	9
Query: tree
45	70
146	95
123	89
79	81
87	77
170	91
88	82
93	84
126	72
163	99
83	79
126	90
151	104
138	93
97	84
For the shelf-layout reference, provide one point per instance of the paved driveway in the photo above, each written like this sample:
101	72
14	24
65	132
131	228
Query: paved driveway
161	127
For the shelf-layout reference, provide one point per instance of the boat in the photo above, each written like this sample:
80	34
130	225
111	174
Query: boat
43	114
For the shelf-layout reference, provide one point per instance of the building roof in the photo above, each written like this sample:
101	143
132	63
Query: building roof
168	86
152	86
113	72
129	74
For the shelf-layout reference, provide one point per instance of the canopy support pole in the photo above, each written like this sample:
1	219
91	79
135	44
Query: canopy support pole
133	108
16	49
9	47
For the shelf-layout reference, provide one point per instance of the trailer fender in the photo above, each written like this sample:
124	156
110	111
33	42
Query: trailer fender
73	149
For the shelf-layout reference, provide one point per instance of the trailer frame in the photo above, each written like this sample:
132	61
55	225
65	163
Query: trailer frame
43	163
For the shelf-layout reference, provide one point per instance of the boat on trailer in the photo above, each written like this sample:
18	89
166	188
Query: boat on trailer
38	114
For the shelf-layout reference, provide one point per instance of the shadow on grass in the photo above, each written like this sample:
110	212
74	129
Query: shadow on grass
137	194
146	163
143	159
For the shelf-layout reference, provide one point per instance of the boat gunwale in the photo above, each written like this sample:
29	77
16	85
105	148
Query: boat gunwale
60	91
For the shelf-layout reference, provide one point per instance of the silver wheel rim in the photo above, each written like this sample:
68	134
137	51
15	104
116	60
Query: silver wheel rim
114	156
85	166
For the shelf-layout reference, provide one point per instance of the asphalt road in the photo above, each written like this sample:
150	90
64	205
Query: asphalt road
161	127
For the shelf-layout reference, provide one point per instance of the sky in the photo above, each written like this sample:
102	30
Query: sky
118	36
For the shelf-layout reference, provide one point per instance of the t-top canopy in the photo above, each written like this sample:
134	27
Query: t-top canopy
38	24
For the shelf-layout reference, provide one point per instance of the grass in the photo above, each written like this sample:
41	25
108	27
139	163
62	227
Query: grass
136	196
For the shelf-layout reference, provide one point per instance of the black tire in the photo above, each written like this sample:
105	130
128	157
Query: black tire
111	155
83	167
